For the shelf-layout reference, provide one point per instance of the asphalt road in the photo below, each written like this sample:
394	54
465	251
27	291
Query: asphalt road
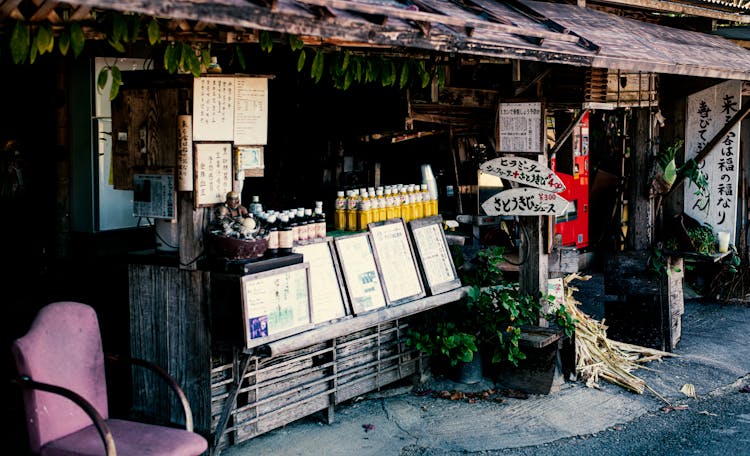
718	424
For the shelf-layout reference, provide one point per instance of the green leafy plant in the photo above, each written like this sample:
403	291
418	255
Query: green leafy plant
492	316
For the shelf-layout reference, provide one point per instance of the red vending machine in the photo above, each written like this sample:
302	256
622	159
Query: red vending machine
574	224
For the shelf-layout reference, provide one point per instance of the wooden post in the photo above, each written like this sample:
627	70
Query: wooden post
192	225
534	270
641	227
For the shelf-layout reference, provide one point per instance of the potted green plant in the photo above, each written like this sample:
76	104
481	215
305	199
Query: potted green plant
491	319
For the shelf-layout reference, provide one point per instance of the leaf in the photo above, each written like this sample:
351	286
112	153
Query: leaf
116	82
205	57
135	27
348	79
77	40
345	62
295	42
670	173
119	28
45	42
404	75
172	59
240	57
316	71
185	51
116	45
33	53
101	79
63	44
301	60
266	42
194	65
19	43
154	33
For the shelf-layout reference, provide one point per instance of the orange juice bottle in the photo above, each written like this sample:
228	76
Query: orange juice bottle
352	204
339	219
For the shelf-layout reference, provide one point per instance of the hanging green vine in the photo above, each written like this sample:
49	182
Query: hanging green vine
344	68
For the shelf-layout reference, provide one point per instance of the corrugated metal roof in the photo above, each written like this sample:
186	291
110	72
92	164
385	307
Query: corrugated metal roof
526	30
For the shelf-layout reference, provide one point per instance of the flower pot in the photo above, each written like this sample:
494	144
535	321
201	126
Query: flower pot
469	372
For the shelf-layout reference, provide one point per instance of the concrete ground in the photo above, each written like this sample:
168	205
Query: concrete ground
713	353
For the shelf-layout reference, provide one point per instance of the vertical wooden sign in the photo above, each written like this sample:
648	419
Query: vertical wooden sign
707	112
184	153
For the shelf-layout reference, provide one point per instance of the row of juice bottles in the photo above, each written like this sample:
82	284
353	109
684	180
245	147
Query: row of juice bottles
358	207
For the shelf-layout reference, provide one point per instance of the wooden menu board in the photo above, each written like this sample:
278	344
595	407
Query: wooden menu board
361	275
213	173
438	269
327	300
393	252
275	304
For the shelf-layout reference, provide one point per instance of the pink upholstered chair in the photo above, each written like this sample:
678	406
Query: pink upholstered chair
61	367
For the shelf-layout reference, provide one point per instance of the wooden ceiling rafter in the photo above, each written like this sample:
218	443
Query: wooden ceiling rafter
46	11
8	7
421	16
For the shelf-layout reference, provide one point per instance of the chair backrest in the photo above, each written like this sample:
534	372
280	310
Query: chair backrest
64	348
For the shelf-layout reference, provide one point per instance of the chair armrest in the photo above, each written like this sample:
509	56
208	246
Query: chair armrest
96	418
170	381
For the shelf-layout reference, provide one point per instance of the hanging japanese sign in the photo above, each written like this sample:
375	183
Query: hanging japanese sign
519	127
708	111
524	171
525	201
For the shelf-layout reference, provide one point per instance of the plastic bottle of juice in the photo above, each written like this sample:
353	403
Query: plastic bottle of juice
320	221
412	202
425	203
352	204
381	204
363	215
405	209
339	218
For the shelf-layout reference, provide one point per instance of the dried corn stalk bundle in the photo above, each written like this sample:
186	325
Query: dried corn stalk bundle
599	358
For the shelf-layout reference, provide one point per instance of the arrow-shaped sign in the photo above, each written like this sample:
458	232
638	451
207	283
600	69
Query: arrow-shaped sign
525	201
524	171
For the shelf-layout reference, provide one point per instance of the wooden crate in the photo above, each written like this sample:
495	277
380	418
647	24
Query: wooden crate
278	390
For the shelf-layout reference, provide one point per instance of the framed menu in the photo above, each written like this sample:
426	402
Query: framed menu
275	304
360	272
434	256
213	172
520	127
394	256
327	300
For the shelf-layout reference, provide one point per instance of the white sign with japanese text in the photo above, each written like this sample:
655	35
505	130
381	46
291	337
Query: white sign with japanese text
519	127
525	201
524	171
707	112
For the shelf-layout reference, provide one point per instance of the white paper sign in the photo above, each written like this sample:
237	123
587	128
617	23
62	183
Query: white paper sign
708	111
436	259
213	109
524	171
400	273
327	302
525	201
520	127
251	111
275	302
360	273
213	173
556	289
153	196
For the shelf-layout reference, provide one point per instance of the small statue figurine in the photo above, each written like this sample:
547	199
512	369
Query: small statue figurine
233	204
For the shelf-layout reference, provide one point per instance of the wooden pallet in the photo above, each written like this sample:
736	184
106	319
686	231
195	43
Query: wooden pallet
271	392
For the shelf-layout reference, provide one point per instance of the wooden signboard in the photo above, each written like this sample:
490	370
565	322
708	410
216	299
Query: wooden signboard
520	127
327	300
434	256
524	171
708	111
275	304
395	258
525	201
213	173
361	275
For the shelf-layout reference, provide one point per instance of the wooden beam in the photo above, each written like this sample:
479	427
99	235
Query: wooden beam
46	7
550	24
80	13
7	7
492	15
421	16
680	8
536	79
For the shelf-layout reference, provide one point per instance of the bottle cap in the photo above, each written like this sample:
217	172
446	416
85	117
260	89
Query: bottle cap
340	193
319	204
256	198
